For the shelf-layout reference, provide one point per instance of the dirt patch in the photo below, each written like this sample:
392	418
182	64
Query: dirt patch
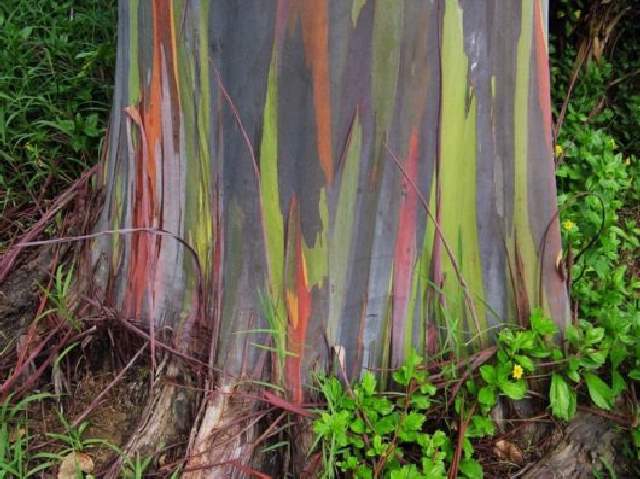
117	415
109	424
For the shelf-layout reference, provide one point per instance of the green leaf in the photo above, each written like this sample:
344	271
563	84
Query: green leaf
413	421
525	362
385	425
357	426
487	396
573	335
471	469
598	358
65	126
26	32
420	402
600	392
560	397
408	471
433	469
594	335
91	126
488	373
514	389
480	426
356	441
618	384
543	326
574	375
368	383
383	406
503	372
523	340
428	388
635	374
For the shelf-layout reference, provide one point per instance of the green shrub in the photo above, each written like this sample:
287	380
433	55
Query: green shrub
56	76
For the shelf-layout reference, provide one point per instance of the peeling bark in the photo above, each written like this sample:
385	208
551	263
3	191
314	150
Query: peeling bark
225	437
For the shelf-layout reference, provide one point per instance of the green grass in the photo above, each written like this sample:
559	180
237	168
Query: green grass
15	460
21	458
56	77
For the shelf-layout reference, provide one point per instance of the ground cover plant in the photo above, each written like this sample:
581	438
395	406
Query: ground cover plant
56	78
425	428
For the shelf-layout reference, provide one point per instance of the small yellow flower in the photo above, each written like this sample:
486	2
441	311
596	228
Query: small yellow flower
627	161
559	151
568	225
517	371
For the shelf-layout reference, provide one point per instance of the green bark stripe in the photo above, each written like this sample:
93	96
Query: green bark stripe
274	222
204	224
523	233
134	76
387	31
458	154
342	233
317	255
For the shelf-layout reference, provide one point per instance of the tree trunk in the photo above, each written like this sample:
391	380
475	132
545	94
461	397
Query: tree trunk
291	144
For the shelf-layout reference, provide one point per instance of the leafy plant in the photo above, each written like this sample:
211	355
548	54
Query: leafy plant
15	460
400	434
598	177
516	355
372	434
56	67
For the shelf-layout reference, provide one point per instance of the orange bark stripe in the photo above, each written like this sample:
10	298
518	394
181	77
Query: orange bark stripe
146	209
316	43
542	62
298	309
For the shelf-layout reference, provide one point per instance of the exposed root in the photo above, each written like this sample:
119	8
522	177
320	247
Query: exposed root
167	417
226	439
304	439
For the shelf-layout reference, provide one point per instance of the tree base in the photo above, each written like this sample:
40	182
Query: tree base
589	444
225	443
166	418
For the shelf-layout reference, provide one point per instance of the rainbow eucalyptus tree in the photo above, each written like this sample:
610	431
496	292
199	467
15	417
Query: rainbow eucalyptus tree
340	181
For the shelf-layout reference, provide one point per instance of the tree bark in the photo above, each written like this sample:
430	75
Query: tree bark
291	144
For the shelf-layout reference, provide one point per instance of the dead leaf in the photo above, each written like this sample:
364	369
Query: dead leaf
506	450
74	462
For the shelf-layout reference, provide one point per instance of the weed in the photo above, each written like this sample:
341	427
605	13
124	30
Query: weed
401	434
59	296
135	468
15	460
373	434
56	64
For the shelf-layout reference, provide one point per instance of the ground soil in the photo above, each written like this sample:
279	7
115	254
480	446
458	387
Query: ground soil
112	421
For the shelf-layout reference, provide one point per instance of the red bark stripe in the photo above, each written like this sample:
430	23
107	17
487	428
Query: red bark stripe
298	298
405	249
